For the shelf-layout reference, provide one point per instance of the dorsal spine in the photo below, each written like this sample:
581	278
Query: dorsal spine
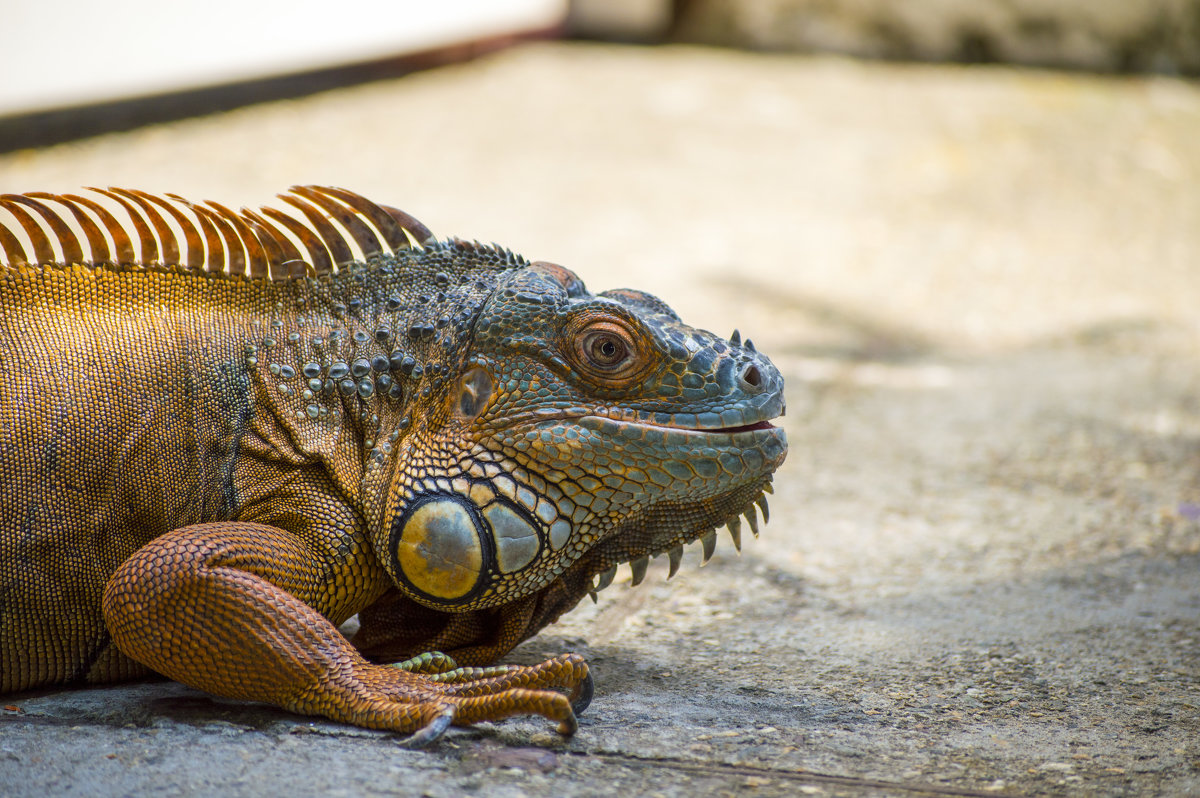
122	228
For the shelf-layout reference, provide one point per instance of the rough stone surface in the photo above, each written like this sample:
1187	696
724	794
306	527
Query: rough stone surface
1109	35
980	574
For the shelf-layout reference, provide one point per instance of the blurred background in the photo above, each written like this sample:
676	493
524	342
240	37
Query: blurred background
864	133
968	233
68	55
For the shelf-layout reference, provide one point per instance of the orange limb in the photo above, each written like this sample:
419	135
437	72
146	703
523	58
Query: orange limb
228	608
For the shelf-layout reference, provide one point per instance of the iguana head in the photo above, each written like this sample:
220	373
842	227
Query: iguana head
580	432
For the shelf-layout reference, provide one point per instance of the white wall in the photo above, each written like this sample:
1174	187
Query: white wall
67	52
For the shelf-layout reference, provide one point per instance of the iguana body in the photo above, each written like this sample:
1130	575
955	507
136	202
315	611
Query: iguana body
223	434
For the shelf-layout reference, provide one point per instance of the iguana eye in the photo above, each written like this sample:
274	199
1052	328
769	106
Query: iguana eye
606	348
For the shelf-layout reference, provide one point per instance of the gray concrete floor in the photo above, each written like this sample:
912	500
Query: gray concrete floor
983	288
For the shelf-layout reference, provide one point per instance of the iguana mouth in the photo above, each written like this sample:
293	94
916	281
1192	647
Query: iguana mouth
748	418
760	425
543	417
763	425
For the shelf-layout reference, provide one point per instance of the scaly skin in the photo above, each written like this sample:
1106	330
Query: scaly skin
215	447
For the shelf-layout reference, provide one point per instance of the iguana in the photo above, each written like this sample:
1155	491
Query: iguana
223	434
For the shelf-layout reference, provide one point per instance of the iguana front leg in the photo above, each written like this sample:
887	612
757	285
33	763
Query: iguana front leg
218	607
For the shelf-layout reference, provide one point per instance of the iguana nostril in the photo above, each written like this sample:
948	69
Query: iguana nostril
752	376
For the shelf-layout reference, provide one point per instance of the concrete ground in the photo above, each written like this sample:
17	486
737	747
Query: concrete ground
982	571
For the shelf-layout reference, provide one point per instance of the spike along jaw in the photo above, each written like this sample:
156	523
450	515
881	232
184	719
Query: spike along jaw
585	431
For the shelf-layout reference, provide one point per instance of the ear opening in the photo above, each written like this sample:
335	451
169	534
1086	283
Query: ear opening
475	393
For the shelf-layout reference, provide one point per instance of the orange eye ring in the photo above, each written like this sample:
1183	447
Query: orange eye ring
607	350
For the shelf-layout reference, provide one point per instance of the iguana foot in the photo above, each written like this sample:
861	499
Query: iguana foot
427	694
500	691
562	671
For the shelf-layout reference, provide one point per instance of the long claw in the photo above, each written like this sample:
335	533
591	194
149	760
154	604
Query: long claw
734	525
769	488
709	541
432	730
584	693
638	569
676	557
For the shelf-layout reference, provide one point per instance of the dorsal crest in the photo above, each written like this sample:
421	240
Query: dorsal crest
319	229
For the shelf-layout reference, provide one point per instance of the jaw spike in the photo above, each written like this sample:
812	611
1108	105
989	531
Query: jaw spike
676	557
750	346
736	338
709	541
761	501
594	597
734	525
606	578
638	569
751	519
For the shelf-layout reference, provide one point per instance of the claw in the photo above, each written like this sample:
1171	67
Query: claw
606	578
709	541
736	338
568	726
769	488
584	699
432	730
594	597
638	569
734	525
761	501
676	557
751	519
